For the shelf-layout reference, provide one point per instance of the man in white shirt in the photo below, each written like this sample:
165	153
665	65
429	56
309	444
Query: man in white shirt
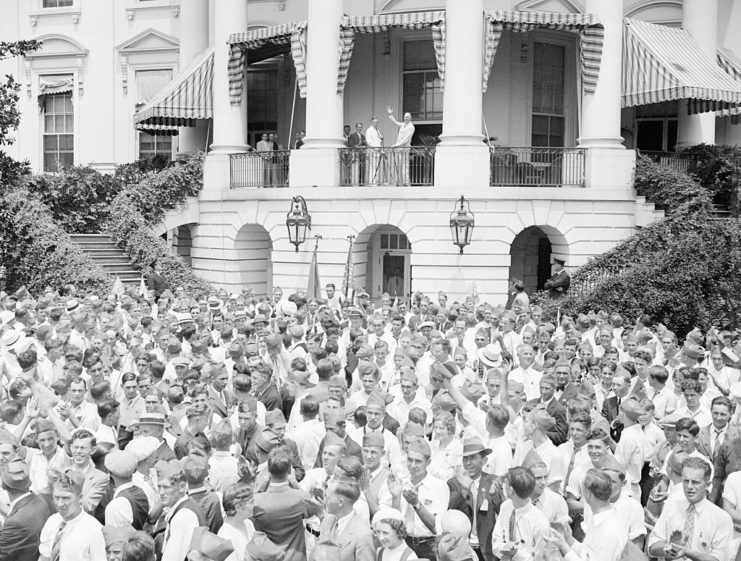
374	413
71	534
400	167
692	527
409	399
308	435
184	514
525	373
420	502
520	526
631	448
606	536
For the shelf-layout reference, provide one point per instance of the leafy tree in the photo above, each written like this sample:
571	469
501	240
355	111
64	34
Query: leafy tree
10	169
683	270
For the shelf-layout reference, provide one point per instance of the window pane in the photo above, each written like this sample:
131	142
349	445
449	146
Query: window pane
50	162
150	82
394	239
48	123
66	142
59	123
419	55
384	241
66	159
414	94
50	142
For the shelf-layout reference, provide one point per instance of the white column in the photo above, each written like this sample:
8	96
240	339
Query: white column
600	127
699	19
230	121
194	25
461	143
317	163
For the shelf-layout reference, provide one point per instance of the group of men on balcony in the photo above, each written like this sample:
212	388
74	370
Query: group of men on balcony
367	163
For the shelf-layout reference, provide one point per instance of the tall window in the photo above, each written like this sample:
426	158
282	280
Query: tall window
59	140
549	121
262	102
56	3
422	95
148	84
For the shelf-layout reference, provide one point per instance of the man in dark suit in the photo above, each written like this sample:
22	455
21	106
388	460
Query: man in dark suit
280	511
611	407
275	421
357	141
474	494
560	431
710	439
558	284
21	534
220	398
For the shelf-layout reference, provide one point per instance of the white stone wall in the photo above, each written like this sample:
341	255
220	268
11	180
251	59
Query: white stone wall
235	236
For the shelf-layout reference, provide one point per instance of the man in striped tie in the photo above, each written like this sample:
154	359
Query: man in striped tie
71	534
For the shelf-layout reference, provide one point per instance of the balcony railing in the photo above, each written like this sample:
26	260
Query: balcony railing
259	169
541	167
674	160
387	166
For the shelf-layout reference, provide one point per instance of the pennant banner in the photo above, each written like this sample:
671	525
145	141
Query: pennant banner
314	289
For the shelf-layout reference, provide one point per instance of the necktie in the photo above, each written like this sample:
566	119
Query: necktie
716	443
512	528
56	545
688	531
569	470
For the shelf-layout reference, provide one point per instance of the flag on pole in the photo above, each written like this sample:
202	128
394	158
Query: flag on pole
314	289
142	287
348	280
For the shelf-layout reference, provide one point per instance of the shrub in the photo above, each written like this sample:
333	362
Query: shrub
684	271
78	197
129	229
37	253
154	192
718	169
667	188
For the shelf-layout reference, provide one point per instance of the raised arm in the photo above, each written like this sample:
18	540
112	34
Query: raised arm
391	117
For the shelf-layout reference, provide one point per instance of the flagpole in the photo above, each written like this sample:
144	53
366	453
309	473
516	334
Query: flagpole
348	267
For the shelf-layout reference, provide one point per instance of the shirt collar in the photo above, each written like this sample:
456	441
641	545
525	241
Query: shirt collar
19	499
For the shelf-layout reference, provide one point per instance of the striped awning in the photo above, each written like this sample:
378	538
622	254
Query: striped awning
663	63
189	96
732	66
380	23
590	29
261	44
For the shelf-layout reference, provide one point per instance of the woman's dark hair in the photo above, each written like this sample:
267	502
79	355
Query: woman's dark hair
397	526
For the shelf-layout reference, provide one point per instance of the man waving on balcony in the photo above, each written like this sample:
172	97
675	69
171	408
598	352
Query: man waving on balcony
400	163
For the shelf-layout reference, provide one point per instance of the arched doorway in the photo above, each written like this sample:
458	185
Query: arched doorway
531	254
254	265
382	258
182	243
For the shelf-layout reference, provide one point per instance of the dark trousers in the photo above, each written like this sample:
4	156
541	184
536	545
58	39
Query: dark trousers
423	547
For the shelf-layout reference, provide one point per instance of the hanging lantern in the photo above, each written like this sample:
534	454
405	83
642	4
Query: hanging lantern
298	220
461	224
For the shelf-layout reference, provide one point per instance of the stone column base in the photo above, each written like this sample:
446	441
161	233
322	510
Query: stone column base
314	167
462	166
609	169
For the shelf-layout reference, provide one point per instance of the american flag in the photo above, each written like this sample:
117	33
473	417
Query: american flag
348	279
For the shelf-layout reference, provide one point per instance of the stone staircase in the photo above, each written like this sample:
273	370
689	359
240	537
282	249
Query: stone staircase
108	256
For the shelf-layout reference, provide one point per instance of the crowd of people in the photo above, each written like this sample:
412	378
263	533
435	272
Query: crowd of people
169	425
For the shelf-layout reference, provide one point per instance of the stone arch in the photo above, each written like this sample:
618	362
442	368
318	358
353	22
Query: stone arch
380	253
532	252
253	265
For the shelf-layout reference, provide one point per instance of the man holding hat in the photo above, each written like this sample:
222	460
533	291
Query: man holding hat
21	533
471	493
421	501
130	504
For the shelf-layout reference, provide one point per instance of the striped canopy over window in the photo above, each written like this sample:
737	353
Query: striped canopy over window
189	96
663	63
380	23
591	38
262	44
